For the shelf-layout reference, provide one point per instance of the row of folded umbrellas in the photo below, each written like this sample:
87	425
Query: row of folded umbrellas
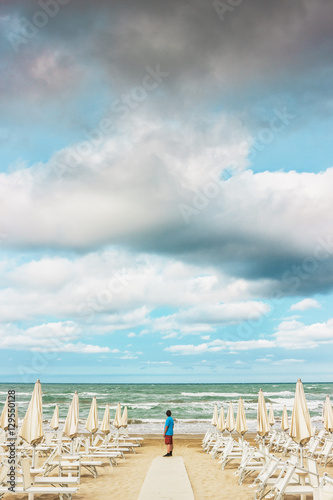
300	428
32	426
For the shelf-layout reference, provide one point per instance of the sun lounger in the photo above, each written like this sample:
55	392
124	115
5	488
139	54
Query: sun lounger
30	489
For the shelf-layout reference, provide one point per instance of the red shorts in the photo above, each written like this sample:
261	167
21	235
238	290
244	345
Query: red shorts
168	440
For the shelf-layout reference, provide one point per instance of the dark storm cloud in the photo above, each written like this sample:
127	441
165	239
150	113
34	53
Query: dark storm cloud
258	45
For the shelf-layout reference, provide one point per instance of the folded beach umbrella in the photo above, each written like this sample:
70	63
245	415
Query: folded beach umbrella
230	423
117	423
300	426
221	422
55	418
271	419
92	420
4	416
32	426
263	426
328	415
285	421
71	427
241	424
215	416
117	418
105	426
124	418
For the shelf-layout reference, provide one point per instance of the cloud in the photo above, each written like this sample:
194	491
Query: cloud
263	360
296	335
56	214
158	363
220	345
286	45
49	337
305	304
288	361
117	290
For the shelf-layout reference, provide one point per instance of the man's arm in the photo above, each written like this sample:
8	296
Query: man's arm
165	429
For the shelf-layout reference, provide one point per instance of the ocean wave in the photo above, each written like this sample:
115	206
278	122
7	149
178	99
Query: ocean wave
213	394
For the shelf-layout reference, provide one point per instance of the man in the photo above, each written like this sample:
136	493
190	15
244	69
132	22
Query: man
168	434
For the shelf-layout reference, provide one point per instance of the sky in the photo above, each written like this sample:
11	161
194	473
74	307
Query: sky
166	174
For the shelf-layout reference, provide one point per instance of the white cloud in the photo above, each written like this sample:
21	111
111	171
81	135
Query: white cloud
205	317
296	335
111	284
288	361
80	348
305	304
158	363
220	345
49	337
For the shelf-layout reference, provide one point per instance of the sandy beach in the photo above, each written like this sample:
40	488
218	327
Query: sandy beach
125	481
207	480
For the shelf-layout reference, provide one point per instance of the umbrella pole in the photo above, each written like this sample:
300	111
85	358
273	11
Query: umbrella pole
33	456
72	446
301	454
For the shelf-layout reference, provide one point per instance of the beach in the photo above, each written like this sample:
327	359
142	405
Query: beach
191	406
207	480
125	480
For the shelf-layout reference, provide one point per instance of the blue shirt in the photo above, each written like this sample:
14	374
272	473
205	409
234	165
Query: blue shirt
169	423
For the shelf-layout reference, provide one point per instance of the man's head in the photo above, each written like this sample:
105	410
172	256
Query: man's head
168	413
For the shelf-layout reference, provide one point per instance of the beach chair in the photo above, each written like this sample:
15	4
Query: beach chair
232	451
219	446
41	480
67	461
286	487
325	456
288	447
272	439
96	452
321	435
279	440
251	459
265	477
312	447
254	461
30	489
325	489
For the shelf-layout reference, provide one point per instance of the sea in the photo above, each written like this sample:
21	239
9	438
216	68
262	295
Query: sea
191	405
